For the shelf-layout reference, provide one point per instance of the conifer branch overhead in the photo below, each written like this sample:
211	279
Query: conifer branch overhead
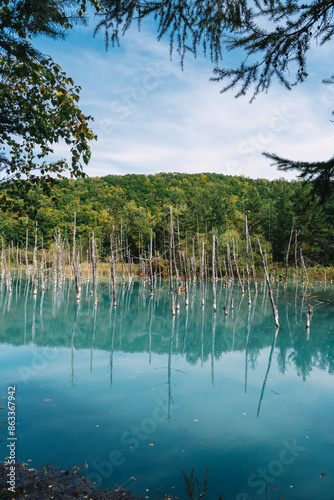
189	24
320	173
271	37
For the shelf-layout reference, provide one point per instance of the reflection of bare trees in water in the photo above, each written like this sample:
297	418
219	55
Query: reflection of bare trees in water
93	336
236	320
213	338
76	315
268	370
250	318
140	324
113	330
33	326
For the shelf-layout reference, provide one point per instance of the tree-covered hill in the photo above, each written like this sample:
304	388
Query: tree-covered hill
201	203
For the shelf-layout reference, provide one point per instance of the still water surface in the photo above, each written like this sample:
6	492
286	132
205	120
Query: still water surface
132	392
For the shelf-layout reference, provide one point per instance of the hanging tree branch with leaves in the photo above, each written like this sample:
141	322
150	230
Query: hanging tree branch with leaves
39	102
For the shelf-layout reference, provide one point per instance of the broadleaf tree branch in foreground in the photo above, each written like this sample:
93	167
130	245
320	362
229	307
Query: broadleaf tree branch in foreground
38	100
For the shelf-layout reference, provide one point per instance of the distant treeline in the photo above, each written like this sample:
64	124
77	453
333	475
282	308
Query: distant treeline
202	203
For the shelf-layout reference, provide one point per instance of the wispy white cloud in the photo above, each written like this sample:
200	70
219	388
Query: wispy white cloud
150	116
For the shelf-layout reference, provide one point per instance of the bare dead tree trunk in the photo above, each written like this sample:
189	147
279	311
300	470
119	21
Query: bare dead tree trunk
171	239
75	261
150	263
3	261
194	260
9	275
6	269
185	279
159	269
130	266
178	252
69	260
19	261
144	260
266	274
247	268
155	260
303	264
35	276
17	257
60	258
253	264
54	263
218	260
287	257
94	269
11	255
214	273
296	254
89	259
87	265
307	320
229	262
202	273
177	278
42	269
225	269
112	265
237	268
122	259
27	262
78	276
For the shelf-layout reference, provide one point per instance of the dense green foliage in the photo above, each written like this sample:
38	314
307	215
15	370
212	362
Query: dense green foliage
201	202
38	100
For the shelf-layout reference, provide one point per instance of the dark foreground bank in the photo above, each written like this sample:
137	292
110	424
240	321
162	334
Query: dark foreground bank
47	482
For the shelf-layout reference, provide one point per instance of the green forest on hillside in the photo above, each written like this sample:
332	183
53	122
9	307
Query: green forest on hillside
201	203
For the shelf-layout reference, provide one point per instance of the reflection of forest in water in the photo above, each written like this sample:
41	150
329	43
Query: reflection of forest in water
144	324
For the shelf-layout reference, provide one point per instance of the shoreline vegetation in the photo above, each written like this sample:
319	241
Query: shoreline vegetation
48	482
183	227
62	262
317	273
51	483
228	262
210	259
198	224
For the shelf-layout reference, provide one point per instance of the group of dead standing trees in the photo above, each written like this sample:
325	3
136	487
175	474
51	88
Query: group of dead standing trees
228	268
61	261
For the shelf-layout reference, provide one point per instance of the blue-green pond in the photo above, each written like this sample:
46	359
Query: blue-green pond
131	392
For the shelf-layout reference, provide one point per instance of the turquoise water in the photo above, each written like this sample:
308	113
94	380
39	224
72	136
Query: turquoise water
132	392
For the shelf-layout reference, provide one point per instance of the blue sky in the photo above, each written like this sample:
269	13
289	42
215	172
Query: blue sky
150	116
